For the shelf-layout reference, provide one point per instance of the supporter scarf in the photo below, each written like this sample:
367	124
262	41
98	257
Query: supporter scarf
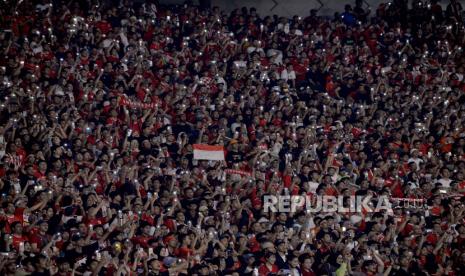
243	173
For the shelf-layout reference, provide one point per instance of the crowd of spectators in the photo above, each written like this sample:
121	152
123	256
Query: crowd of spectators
101	103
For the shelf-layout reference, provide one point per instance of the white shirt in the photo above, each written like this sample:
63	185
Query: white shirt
287	75
417	161
445	182
254	49
295	272
459	76
278	55
240	63
36	48
312	186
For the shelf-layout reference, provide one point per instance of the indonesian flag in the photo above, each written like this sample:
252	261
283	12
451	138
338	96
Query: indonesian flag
207	152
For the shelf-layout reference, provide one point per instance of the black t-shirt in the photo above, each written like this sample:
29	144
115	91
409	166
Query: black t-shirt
304	178
181	127
173	148
348	41
346	90
360	13
234	157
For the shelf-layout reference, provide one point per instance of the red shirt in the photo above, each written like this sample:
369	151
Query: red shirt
17	240
183	252
103	26
40	240
264	271
432	238
142	240
17	216
307	272
407	229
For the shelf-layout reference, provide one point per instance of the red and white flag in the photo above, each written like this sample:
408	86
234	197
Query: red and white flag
207	152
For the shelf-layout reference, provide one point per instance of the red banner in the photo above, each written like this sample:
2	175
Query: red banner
243	173
135	104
